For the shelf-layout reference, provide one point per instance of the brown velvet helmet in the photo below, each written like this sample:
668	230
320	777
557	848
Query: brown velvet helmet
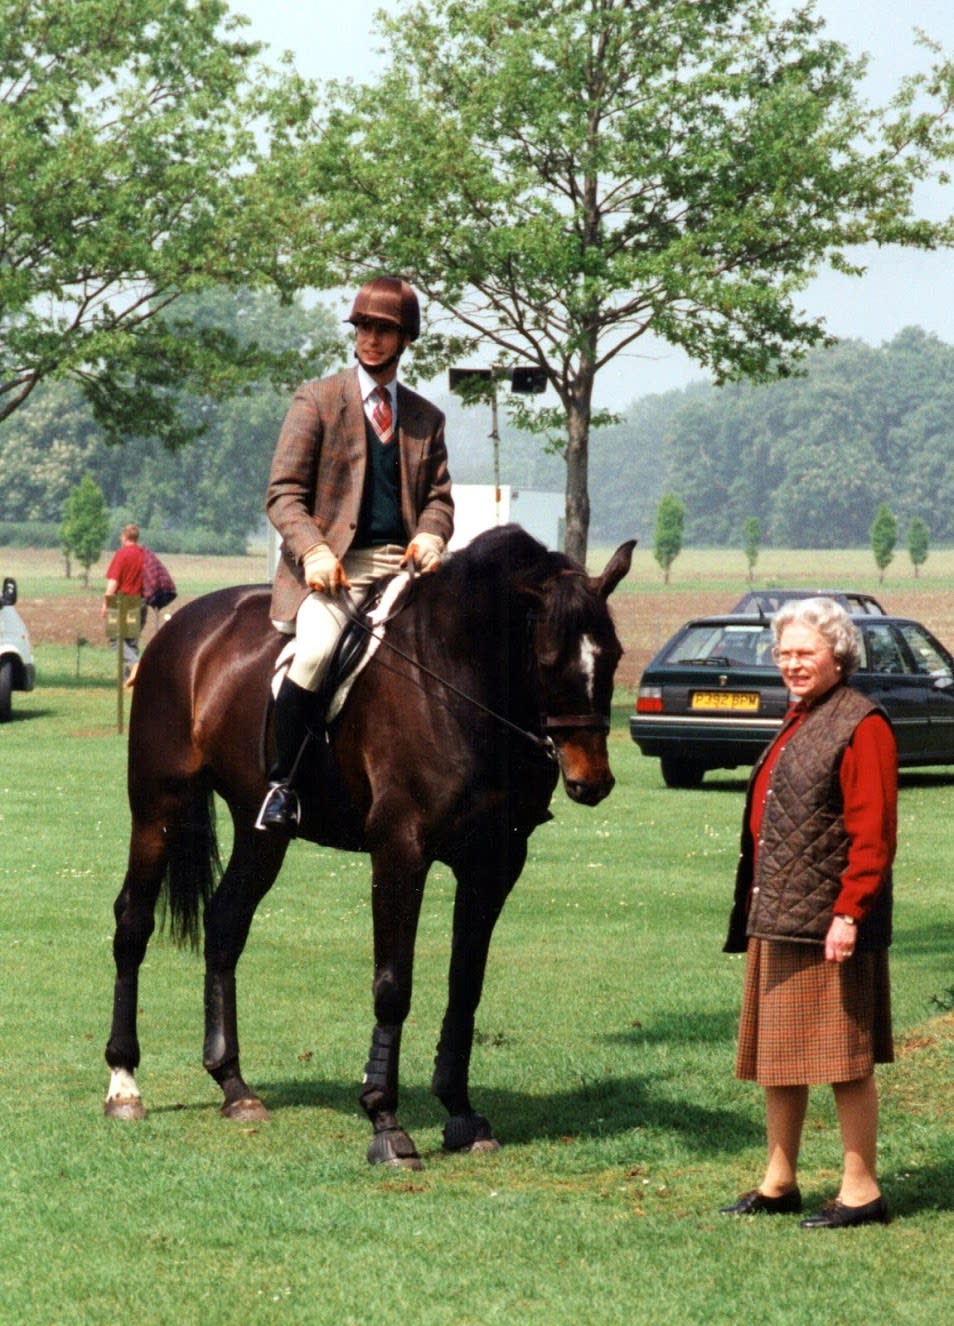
388	299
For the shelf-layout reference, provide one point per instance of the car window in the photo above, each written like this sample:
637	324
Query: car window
930	658
724	644
768	601
885	651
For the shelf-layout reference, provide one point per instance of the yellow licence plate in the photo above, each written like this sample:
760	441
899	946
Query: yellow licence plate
748	701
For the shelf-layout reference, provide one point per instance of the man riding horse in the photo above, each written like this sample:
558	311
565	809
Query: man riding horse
359	488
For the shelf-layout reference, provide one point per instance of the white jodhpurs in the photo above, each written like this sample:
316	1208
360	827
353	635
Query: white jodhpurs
321	618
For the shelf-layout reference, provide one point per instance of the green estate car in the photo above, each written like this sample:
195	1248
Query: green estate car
17	671
712	698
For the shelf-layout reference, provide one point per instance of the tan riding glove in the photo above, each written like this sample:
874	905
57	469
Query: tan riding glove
424	551
323	571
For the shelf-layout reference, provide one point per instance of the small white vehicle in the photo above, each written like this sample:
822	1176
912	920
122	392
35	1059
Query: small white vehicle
17	670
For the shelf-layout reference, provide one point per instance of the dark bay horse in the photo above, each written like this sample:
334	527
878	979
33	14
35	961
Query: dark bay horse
494	678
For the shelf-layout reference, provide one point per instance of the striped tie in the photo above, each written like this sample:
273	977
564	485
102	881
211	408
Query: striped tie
382	416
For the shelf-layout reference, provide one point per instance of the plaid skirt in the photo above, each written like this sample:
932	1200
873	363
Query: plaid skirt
806	1021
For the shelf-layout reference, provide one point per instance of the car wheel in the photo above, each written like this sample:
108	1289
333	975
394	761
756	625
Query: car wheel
678	772
6	689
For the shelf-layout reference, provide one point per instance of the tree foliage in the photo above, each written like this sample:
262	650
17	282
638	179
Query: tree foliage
135	167
751	539
85	526
811	456
215	485
884	537
566	177
918	542
667	537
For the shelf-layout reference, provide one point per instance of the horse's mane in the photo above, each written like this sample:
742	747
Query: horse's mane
492	583
506	553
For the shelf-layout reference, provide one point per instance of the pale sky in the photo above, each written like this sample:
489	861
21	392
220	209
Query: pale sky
334	40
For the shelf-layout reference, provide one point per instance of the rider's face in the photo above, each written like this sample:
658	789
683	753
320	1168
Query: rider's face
378	344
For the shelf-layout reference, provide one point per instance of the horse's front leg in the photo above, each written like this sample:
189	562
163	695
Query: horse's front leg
396	907
253	866
481	893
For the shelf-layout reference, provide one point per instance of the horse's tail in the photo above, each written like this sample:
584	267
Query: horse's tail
193	868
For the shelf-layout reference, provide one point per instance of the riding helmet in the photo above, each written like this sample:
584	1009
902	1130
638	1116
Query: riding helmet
388	299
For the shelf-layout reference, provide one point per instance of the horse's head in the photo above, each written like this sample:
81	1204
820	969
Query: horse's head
576	650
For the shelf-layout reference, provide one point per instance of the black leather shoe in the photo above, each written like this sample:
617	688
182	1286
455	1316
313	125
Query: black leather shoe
280	809
756	1203
835	1215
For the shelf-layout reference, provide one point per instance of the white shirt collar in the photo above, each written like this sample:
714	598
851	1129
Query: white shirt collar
369	387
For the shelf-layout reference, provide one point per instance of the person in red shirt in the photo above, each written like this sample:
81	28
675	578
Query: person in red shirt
124	576
813	914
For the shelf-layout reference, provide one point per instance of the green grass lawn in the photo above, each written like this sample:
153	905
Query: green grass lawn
604	1060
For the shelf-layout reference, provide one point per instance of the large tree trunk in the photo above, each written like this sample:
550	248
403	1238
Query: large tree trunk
578	414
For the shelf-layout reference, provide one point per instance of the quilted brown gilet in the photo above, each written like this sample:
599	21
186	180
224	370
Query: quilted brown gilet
803	848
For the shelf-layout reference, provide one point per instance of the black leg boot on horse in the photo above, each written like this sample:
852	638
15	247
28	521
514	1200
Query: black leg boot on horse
295	724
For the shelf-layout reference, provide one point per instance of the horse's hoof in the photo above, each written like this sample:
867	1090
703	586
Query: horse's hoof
470	1133
484	1146
247	1110
124	1107
393	1147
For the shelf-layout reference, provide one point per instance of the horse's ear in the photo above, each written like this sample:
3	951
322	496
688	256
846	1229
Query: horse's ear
615	569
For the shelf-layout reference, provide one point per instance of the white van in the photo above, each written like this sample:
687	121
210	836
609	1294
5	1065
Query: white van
17	671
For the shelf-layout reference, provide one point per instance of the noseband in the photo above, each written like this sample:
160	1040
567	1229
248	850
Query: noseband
587	722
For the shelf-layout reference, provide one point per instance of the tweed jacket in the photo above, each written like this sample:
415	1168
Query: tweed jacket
318	475
789	890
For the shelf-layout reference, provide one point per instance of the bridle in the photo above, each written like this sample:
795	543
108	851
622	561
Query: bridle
592	722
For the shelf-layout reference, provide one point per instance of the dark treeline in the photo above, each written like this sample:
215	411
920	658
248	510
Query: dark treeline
811	457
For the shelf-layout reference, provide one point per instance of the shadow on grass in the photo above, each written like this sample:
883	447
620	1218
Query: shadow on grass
683	1029
594	1110
913	1191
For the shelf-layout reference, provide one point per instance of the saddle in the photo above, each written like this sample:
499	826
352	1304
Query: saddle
356	646
327	815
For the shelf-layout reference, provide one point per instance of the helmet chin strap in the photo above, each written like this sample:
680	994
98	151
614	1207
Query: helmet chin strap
383	367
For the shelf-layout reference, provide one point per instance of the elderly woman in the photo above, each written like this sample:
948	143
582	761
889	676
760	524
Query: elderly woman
813	915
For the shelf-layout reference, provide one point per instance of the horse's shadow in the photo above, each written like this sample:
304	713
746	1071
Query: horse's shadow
611	1107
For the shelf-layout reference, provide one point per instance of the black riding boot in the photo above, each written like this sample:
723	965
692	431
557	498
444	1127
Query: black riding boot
294	726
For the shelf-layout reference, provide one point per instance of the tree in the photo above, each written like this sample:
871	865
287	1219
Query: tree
135	166
213	485
667	537
581	174
918	539
751	537
884	536
85	526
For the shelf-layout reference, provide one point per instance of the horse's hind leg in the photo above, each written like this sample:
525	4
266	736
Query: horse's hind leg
253	866
134	910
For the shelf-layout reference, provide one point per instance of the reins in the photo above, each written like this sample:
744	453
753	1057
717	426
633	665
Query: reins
546	744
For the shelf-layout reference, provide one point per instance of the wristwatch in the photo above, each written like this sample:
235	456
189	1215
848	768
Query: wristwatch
848	920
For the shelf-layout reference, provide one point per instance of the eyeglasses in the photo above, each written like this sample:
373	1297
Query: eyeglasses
785	656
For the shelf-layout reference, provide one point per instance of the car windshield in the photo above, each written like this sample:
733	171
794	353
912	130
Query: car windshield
724	644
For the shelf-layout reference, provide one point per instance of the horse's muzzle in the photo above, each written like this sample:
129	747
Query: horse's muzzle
589	793
585	766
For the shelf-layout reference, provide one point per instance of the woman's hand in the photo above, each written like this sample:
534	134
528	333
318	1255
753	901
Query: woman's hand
840	940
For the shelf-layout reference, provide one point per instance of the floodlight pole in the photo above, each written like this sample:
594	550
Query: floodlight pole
495	441
526	379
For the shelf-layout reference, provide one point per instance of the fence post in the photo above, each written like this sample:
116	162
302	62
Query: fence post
123	622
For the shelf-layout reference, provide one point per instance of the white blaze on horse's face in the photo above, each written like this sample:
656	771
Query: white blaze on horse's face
589	654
